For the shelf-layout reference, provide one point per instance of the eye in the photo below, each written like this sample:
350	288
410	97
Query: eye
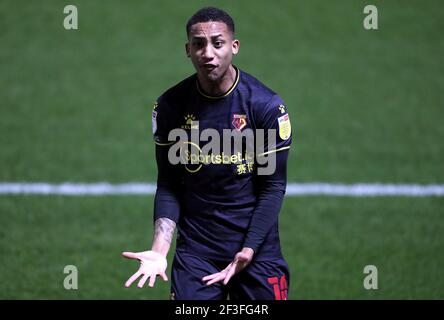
198	43
218	43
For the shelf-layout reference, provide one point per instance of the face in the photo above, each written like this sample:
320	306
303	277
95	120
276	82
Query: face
211	48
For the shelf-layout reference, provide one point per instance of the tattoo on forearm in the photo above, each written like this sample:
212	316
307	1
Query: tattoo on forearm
164	227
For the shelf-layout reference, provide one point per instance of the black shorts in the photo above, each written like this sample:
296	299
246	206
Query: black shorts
261	280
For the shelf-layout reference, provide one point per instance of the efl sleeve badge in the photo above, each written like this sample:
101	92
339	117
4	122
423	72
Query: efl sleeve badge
284	127
154	121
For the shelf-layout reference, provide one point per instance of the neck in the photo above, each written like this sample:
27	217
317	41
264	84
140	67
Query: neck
221	85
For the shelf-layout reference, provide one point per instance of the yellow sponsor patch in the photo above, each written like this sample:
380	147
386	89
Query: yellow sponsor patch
284	127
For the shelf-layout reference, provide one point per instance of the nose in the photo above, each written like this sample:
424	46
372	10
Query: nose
208	52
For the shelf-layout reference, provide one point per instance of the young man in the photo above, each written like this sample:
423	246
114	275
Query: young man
225	211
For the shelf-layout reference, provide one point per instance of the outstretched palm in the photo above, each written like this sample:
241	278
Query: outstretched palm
151	265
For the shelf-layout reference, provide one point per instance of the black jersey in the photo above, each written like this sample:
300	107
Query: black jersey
217	196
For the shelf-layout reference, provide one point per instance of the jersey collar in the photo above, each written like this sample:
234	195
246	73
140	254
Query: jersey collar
226	93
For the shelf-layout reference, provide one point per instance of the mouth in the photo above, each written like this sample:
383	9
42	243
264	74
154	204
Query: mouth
208	66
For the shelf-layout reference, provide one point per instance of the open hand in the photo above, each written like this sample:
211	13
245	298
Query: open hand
151	265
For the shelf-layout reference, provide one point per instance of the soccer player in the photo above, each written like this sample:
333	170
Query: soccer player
225	212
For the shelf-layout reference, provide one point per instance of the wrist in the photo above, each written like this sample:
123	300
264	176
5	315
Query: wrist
248	251
161	249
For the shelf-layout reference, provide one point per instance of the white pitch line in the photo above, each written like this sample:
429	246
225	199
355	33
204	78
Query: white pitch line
293	189
78	189
365	189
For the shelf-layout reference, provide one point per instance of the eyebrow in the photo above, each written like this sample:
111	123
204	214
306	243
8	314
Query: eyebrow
212	37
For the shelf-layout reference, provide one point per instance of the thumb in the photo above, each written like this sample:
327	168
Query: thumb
130	255
242	261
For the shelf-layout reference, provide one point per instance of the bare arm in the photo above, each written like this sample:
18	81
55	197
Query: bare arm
163	235
166	208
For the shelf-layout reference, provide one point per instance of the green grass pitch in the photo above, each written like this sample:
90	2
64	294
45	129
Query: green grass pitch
366	106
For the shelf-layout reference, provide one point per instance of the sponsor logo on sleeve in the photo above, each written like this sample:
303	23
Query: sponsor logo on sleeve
154	121
284	127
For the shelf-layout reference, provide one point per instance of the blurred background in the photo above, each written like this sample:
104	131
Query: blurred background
366	106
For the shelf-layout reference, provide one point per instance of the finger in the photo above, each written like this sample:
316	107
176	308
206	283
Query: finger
164	276
142	280
216	279
211	276
152	280
230	273
130	255
132	278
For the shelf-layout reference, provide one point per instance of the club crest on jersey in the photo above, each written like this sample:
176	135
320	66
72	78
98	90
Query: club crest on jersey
239	121
284	127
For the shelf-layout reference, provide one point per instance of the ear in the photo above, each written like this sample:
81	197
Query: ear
187	49
235	46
